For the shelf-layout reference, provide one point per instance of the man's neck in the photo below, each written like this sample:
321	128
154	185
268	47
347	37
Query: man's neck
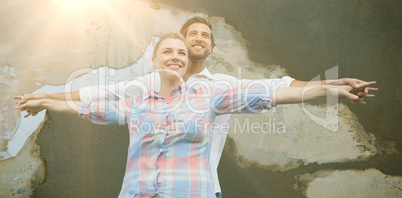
194	67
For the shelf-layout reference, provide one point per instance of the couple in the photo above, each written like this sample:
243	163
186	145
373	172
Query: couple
172	151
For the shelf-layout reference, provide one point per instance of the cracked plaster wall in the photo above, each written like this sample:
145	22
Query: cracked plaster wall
41	54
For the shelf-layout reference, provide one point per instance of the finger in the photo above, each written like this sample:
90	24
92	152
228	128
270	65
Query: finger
366	84
362	94
20	107
351	96
366	90
354	84
360	101
370	96
353	102
27	115
18	97
373	89
21	99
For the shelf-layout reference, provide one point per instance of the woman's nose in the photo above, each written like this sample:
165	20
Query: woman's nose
175	56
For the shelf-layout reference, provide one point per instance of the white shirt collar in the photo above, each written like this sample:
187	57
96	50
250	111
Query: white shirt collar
205	72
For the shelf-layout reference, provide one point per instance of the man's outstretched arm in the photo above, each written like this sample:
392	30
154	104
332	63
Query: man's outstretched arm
353	82
289	95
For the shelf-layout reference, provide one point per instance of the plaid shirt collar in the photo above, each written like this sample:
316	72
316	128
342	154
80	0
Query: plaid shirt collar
182	88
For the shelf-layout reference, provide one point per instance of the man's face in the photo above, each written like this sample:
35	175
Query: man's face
198	41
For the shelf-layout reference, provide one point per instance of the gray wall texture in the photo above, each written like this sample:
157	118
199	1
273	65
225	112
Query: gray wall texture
68	157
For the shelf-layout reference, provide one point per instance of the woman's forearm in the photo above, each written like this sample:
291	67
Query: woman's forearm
290	95
58	96
70	107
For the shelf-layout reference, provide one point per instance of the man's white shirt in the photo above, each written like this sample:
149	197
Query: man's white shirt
140	85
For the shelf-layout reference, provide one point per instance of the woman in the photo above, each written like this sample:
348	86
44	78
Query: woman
170	131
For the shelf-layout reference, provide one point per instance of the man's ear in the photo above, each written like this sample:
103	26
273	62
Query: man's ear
211	50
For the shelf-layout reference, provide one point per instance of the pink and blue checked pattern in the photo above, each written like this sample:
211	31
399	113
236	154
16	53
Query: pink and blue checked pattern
170	138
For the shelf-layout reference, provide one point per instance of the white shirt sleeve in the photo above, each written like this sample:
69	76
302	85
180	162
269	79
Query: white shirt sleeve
234	83
121	90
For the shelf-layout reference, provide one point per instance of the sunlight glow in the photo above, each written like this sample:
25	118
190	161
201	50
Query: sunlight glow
79	2
82	5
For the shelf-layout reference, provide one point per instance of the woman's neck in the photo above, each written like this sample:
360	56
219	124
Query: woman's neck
167	85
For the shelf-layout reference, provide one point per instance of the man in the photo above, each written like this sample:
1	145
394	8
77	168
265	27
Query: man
200	43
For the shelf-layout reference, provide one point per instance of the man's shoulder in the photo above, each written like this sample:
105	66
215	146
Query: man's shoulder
220	76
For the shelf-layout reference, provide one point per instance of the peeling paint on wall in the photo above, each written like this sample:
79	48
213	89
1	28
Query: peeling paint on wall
9	117
292	138
351	183
21	175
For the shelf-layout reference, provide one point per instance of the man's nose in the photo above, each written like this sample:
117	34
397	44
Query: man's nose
198	37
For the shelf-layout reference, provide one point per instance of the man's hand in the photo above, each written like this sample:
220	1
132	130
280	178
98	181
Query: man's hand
24	99
353	82
360	88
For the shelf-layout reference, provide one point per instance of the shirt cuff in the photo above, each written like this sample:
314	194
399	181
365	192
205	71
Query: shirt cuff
288	80
85	93
83	113
267	101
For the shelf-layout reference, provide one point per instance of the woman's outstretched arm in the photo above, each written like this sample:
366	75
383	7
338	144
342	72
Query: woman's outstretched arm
33	107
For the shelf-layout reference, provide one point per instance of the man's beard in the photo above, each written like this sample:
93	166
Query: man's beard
199	56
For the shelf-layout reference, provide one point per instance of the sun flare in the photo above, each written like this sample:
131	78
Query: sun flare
83	4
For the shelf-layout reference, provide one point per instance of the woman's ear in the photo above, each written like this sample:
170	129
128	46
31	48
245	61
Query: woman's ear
154	63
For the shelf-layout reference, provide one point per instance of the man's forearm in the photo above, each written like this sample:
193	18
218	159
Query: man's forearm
75	96
290	95
298	83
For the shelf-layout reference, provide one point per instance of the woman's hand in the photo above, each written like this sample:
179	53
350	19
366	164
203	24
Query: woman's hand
24	99
32	107
355	95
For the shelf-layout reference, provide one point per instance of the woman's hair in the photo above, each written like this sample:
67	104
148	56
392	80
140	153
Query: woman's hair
184	28
172	35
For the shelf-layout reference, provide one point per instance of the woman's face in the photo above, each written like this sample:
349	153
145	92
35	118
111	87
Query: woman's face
171	58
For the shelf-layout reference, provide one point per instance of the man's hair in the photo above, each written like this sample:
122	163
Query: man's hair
172	35
184	28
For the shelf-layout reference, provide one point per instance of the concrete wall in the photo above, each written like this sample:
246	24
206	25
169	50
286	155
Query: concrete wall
313	150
